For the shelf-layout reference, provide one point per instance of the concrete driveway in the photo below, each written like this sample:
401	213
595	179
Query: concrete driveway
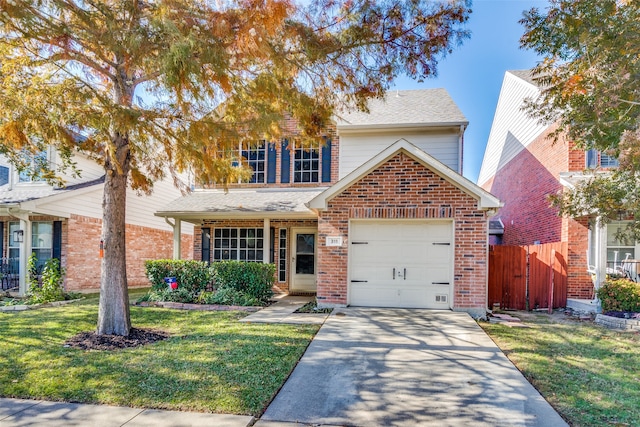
395	367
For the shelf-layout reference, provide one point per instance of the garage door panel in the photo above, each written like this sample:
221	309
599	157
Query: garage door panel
423	273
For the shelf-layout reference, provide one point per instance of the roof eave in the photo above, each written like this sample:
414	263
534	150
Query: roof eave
419	125
197	217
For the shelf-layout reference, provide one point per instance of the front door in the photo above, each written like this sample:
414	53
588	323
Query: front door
303	260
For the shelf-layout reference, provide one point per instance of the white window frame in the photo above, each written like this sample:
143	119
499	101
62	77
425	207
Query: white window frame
239	247
254	157
306	156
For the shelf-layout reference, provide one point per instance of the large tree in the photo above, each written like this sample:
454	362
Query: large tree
590	87
149	88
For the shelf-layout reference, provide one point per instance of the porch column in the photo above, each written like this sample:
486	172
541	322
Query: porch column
25	253
266	239
176	225
600	253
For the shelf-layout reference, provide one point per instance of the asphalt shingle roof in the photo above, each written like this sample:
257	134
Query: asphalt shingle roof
406	107
37	191
243	201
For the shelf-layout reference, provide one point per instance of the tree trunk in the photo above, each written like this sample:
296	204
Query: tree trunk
113	312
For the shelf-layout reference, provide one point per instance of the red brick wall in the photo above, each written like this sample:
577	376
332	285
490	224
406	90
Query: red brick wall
276	224
143	243
523	185
403	188
80	250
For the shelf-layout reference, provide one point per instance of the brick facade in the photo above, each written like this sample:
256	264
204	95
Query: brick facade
403	188
524	184
80	250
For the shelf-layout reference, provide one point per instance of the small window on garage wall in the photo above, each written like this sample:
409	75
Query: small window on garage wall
282	255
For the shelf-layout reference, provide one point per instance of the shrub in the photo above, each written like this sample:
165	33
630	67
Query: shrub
194	276
51	288
620	295
252	279
228	296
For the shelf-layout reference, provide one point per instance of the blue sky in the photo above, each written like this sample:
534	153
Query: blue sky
473	73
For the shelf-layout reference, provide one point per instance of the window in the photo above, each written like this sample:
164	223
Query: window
38	163
282	256
239	244
41	243
595	158
255	158
306	165
4	175
618	250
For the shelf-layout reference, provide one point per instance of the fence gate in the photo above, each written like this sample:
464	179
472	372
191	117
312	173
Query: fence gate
528	277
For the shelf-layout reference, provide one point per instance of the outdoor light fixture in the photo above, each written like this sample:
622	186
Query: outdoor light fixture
18	236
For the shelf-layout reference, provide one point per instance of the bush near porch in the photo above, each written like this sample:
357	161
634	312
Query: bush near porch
225	282
620	295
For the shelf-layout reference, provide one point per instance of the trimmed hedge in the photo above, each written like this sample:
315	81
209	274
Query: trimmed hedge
252	279
620	295
194	276
235	282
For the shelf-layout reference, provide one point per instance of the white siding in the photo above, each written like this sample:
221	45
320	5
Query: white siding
356	149
140	209
512	129
89	170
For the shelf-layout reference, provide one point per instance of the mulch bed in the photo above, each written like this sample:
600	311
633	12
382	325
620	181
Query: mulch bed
136	338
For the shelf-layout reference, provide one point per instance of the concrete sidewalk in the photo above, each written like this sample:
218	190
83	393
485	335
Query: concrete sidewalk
18	412
283	312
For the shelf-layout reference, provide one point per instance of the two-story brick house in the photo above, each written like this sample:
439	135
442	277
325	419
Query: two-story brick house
522	166
379	215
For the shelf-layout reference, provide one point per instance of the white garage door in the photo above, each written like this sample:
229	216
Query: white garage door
401	264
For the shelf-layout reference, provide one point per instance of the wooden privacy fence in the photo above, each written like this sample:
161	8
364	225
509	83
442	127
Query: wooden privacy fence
528	277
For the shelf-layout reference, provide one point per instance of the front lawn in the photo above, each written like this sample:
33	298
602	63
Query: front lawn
211	363
590	374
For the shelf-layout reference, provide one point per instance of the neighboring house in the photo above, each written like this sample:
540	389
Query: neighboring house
379	215
522	166
66	223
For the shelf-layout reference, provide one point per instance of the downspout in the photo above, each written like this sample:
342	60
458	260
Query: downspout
461	148
177	236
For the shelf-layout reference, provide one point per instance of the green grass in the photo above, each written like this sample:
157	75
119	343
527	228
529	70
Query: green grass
590	374
212	362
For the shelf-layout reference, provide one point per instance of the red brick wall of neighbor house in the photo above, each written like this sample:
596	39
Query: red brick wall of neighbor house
277	224
523	184
82	238
403	188
579	283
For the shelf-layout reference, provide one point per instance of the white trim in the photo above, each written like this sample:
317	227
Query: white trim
485	199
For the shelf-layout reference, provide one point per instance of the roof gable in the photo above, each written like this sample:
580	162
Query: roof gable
485	199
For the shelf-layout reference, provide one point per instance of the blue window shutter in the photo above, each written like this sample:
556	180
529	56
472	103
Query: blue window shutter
271	163
2	240
206	244
326	160
57	240
285	165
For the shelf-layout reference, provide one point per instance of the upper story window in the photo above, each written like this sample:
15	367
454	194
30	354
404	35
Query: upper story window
38	163
595	158
306	165
4	175
255	158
